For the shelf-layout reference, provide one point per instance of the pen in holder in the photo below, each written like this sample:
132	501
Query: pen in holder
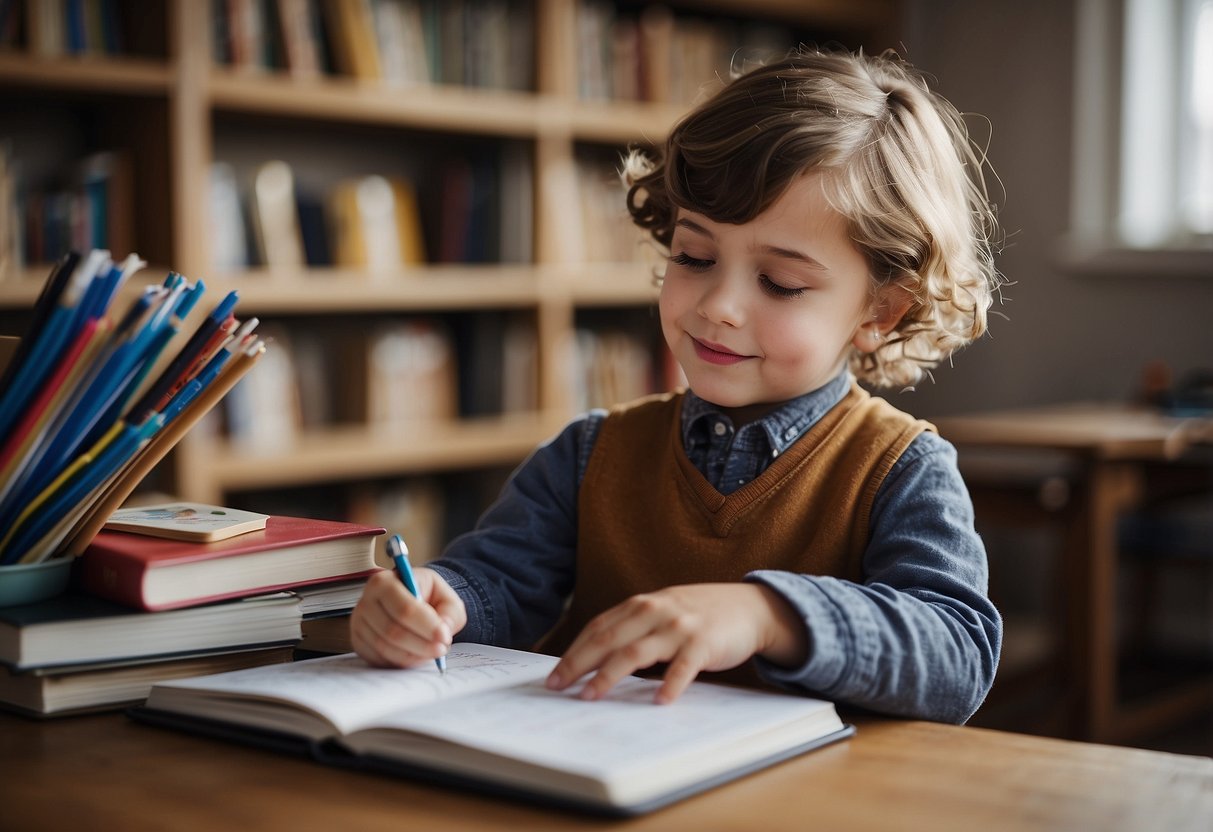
87	410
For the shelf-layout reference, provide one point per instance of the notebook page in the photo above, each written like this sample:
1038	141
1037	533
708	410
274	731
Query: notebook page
348	692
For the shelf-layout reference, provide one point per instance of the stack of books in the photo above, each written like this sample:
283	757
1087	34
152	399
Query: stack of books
90	401
159	595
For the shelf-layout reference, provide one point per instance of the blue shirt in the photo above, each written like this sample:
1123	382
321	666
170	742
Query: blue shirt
917	638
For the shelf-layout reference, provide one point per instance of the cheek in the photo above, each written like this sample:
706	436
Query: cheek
672	302
790	339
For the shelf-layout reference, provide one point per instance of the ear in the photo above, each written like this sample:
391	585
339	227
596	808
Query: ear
885	312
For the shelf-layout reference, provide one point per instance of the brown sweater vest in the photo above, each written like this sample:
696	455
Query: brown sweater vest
648	519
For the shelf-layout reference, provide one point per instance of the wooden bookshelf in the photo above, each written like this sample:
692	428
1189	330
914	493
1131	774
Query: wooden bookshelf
191	102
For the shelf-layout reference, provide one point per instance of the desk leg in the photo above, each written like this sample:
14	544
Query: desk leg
1091	569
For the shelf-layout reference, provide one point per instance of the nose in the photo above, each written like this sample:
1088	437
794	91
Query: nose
722	302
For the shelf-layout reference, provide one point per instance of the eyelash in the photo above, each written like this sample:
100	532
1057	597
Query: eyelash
693	263
774	289
769	286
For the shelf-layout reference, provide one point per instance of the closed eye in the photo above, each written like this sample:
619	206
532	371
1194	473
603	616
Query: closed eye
774	289
692	263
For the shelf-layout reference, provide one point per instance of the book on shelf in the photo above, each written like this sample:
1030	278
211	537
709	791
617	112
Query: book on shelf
497	355
400	32
248	33
351	28
264	412
607	233
612	367
491	724
157	574
229	241
94	397
417	504
658	55
411	373
78	628
376	224
302	40
10	24
55	691
12	240
314	227
517	208
276	217
92	206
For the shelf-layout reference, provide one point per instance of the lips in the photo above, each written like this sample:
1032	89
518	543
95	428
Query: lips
716	353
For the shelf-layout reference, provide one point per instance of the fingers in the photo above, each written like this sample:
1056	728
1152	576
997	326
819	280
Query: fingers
391	628
446	604
618	628
678	677
639	633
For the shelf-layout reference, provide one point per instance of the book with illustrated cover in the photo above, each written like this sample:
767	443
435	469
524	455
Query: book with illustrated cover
491	725
186	521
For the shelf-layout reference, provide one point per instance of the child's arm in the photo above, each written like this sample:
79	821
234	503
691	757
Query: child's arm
694	627
510	575
391	628
919	637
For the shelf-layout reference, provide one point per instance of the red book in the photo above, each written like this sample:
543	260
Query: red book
157	574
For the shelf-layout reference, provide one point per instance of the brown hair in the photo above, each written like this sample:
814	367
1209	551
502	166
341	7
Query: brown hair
901	170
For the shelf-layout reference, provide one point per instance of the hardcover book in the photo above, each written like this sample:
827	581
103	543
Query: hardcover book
156	574
58	691
490	724
75	629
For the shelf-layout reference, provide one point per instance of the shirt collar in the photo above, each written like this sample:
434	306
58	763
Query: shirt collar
784	425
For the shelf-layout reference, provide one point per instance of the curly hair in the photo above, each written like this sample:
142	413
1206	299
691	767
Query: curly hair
901	169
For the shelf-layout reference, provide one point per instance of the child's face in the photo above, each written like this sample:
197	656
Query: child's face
766	311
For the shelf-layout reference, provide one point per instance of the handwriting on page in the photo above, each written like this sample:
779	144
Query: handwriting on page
347	691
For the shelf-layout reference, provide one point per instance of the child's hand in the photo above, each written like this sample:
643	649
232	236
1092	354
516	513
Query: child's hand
391	628
693	627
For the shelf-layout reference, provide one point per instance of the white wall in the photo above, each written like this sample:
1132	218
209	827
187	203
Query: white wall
1068	336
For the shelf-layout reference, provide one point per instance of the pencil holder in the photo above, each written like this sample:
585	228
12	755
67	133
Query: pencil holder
25	583
87	407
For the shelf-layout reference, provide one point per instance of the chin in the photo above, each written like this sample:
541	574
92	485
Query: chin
721	398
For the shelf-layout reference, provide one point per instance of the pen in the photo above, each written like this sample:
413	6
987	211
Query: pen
400	555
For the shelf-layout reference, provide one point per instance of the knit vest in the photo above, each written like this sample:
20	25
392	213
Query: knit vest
648	519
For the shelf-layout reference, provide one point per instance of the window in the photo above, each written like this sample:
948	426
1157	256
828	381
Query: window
1143	139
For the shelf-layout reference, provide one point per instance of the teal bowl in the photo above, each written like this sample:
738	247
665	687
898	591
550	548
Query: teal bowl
24	583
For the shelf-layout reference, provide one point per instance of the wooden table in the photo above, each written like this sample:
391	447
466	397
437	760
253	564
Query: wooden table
107	772
1108	450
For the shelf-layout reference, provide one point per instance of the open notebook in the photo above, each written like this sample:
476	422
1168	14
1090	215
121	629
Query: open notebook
490	724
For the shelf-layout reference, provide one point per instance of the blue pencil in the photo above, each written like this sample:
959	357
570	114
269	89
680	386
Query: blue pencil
98	471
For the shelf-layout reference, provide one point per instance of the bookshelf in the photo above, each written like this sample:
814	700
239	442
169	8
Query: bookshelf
167	101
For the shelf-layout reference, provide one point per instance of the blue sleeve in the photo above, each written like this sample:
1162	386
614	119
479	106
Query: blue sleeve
517	567
919	637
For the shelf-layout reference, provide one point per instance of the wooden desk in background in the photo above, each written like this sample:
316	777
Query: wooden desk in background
107	772
1109	450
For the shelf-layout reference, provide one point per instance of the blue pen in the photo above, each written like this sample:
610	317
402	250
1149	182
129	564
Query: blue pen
400	555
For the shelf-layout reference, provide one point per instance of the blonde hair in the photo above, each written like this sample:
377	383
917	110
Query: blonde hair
900	167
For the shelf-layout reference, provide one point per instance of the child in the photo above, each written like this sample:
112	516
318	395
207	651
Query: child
824	215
